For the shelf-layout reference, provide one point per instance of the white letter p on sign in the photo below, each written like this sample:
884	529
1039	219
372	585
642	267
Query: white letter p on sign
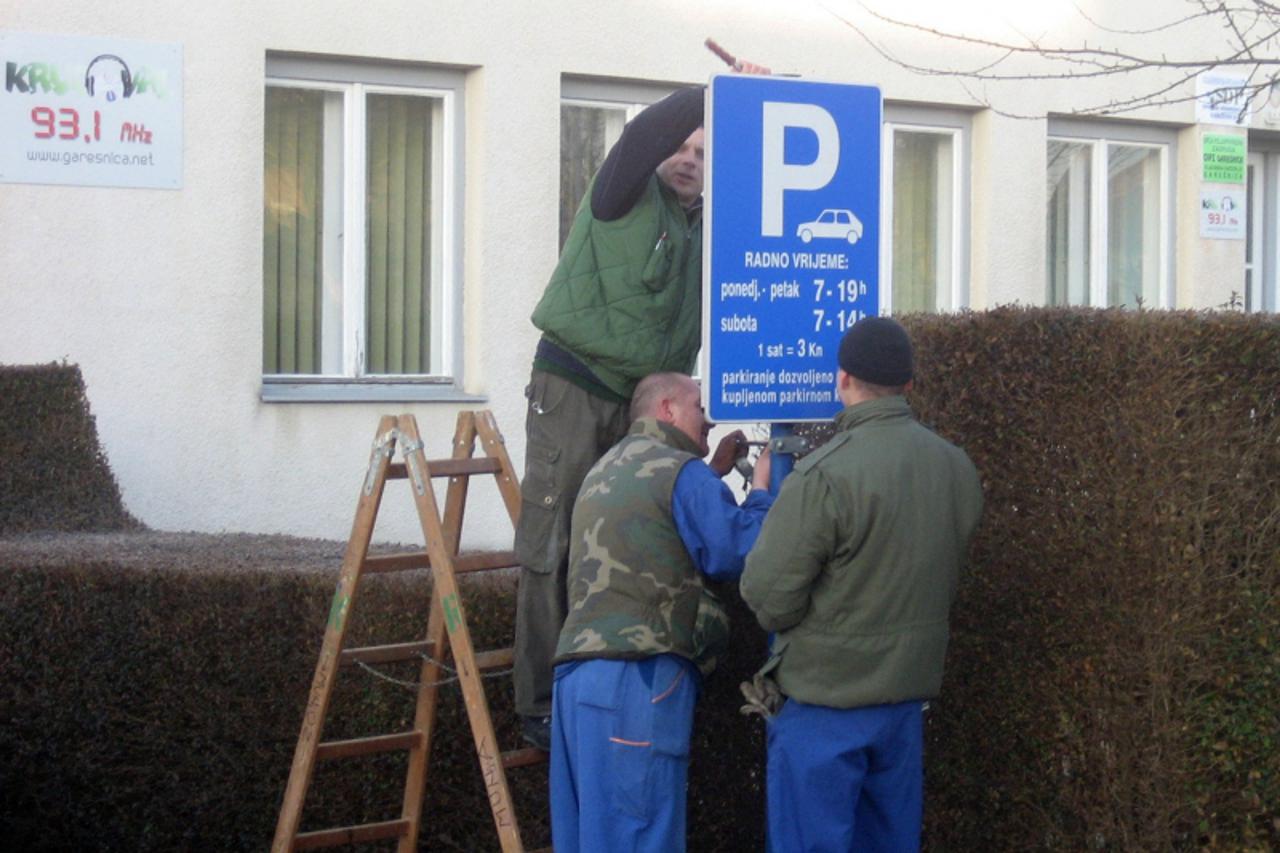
776	175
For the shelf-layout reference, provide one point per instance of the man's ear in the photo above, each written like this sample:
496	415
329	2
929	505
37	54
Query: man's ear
665	413
843	380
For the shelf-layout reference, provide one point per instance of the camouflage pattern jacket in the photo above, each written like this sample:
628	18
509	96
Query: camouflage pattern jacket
634	591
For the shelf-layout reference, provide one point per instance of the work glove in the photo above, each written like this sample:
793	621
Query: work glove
762	695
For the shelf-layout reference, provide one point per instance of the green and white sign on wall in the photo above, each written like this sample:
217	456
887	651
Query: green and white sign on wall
1224	158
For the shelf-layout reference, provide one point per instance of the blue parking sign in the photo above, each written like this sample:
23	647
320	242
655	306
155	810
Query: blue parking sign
792	242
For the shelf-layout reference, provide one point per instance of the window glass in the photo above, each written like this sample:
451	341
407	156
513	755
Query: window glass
587	132
1070	186
293	238
1251	198
399	231
358	287
1133	226
923	201
1108	227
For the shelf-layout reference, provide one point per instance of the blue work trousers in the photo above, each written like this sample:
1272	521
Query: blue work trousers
845	779
620	754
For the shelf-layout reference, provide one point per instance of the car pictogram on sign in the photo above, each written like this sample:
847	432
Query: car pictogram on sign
836	224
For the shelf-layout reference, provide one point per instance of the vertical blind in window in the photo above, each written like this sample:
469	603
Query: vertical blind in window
922	198
398	233
293	220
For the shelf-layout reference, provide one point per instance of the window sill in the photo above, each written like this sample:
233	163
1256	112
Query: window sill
345	391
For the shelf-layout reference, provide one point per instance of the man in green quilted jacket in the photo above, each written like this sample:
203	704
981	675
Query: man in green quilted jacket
855	570
623	302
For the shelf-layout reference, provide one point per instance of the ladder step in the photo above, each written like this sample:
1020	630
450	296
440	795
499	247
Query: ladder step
486	561
482	562
450	467
524	757
368	745
495	659
350	834
397	562
386	654
492	659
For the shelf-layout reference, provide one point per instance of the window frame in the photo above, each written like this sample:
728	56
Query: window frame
1099	135
355	80
1264	223
958	125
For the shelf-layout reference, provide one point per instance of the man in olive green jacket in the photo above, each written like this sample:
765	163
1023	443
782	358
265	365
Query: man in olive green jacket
855	570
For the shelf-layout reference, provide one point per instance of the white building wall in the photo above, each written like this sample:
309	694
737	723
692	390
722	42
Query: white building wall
1210	271
157	294
1008	211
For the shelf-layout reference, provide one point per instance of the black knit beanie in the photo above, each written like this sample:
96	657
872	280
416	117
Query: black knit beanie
877	350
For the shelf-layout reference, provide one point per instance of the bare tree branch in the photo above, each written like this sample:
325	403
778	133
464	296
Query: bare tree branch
1252	45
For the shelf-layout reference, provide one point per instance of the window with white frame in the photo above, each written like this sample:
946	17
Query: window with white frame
1261	290
1109	220
592	116
924	249
361	222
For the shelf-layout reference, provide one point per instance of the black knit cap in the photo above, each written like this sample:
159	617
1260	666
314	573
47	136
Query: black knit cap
877	350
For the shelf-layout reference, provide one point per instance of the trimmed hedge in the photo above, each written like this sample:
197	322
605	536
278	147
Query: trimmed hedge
53	473
154	706
1113	680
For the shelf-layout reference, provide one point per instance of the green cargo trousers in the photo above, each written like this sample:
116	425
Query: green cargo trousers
566	430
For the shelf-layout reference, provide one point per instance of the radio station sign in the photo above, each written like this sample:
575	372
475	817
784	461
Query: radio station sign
90	111
792	248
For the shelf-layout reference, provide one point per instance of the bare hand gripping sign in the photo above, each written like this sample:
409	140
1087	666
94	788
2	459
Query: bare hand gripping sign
792	259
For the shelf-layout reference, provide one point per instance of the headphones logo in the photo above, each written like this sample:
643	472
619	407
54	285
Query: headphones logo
108	76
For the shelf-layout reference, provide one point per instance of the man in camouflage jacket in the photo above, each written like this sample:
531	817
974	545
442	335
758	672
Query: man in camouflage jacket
650	521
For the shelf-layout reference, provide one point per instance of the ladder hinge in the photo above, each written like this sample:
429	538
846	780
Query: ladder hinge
412	459
384	446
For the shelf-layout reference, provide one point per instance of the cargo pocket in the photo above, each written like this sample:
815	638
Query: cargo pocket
674	693
658	266
653	728
542	536
630	763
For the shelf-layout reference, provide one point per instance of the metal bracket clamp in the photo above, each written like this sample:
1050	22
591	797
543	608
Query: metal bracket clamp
792	444
787	444
385	445
411	460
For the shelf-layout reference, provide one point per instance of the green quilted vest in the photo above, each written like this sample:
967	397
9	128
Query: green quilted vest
625	297
634	591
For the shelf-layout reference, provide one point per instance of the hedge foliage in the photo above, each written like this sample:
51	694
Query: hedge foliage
53	473
152	706
1113	680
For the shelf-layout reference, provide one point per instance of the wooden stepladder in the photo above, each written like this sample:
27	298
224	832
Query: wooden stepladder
446	631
